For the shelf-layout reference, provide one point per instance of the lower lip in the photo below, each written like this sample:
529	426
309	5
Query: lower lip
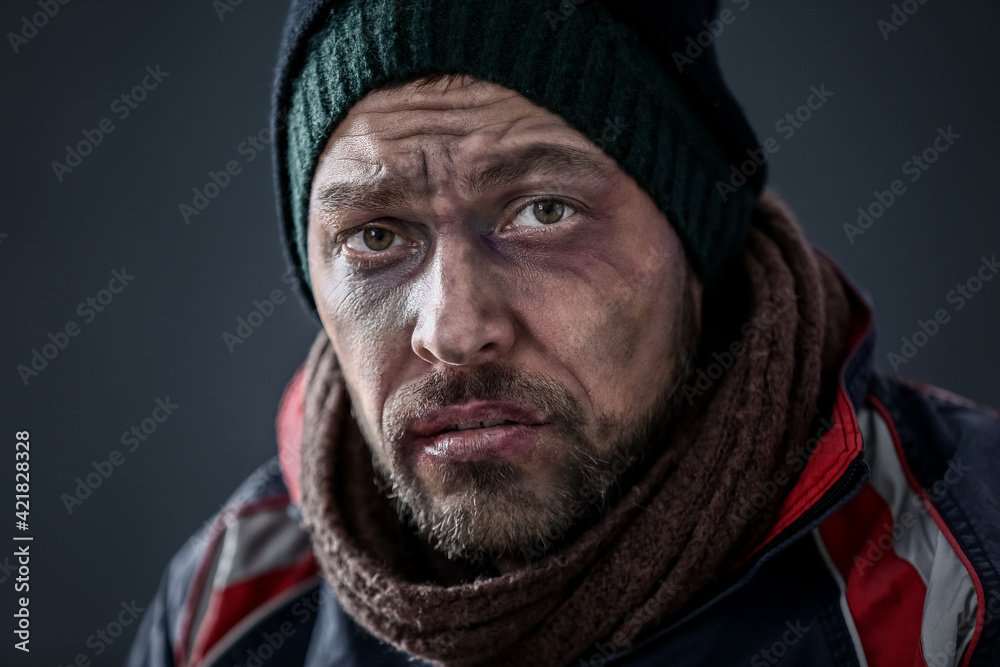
480	444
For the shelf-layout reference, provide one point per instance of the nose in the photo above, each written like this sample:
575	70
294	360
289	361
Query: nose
463	316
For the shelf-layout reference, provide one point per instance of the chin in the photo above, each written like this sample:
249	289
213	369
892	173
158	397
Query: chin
484	512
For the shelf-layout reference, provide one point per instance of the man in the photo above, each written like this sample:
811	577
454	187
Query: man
583	394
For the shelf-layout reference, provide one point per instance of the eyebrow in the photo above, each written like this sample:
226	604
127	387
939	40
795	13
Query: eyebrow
501	172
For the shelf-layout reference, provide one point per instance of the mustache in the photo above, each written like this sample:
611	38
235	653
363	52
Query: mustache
490	381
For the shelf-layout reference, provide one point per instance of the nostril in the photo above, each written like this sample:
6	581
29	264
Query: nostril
462	322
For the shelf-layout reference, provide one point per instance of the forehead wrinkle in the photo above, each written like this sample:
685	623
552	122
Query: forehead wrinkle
423	165
541	158
393	190
387	188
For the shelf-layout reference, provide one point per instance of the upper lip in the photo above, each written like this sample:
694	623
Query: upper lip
439	419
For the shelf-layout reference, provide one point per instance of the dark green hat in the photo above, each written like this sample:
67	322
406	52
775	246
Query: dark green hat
677	127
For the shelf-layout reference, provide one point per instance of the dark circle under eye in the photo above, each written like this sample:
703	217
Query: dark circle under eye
377	238
548	211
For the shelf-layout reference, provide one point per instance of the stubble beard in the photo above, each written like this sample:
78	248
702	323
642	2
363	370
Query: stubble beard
492	517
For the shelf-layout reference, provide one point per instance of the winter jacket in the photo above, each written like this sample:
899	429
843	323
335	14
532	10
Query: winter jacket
886	552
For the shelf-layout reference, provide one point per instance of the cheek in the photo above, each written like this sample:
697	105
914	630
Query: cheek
368	328
608	312
606	336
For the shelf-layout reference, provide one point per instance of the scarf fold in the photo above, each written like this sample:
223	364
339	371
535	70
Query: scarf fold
669	537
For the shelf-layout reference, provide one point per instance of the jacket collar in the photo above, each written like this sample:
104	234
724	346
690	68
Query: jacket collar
832	467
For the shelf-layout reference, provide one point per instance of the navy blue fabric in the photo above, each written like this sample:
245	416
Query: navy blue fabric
281	638
154	643
340	642
154	640
806	628
935	434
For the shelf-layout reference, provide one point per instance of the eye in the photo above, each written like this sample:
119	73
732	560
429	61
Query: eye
373	239
542	212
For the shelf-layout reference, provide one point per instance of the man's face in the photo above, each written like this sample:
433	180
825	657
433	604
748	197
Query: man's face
510	311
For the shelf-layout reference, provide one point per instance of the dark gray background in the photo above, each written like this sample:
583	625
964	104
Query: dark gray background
162	336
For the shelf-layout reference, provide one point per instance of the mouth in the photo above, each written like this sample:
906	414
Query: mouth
476	431
468	426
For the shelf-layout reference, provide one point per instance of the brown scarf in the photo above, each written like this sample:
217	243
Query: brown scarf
668	538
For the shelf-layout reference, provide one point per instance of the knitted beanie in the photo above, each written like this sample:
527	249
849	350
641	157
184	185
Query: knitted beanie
622	73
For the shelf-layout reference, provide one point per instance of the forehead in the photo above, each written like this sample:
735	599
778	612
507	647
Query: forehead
453	121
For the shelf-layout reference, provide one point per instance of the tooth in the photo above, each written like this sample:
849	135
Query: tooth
489	423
